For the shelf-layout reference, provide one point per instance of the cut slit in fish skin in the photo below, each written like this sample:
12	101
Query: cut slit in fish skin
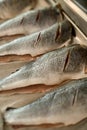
38	43
55	107
49	69
11	8
27	23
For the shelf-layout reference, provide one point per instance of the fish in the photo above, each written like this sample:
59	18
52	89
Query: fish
49	39
51	68
30	22
66	105
11	8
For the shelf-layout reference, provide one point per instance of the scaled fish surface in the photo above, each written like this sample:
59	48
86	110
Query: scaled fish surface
40	42
11	8
52	68
66	105
30	22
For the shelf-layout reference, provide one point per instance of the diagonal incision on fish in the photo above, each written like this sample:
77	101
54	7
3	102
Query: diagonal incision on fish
30	22
53	108
11	8
50	69
40	42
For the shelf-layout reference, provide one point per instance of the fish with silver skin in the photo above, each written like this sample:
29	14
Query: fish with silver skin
52	68
40	42
11	8
66	105
30	22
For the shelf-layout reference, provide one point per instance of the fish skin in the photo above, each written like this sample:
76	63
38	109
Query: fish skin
30	22
40	42
11	8
67	105
52	68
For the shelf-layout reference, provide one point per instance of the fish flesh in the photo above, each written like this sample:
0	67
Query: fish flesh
30	22
66	105
11	8
40	42
52	68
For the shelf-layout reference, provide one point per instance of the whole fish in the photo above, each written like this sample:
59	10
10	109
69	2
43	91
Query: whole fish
11	8
40	42
30	22
66	105
52	68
